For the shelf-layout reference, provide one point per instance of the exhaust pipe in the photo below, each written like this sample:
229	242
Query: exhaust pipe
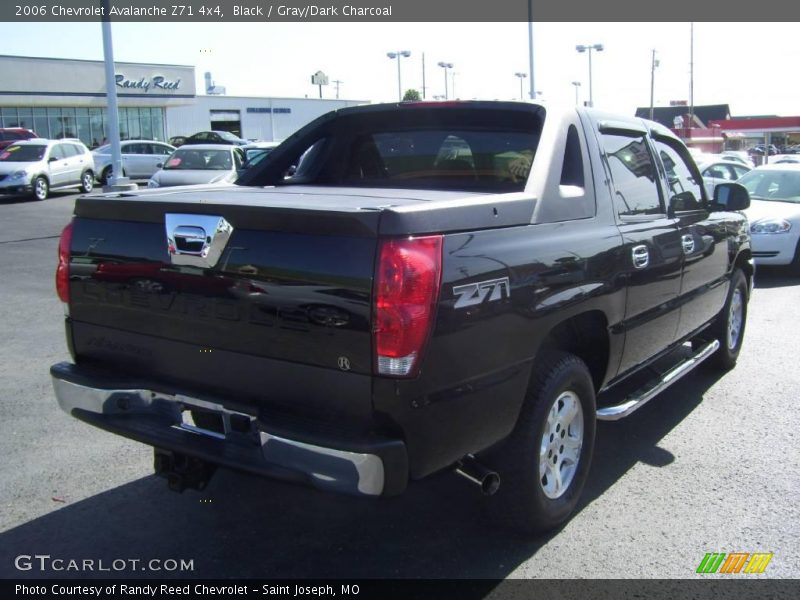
470	469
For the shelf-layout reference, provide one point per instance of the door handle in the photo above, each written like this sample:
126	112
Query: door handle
641	256
687	241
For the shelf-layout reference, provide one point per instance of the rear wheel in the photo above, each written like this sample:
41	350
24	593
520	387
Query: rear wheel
87	182
544	463
794	266
730	324
107	174
40	188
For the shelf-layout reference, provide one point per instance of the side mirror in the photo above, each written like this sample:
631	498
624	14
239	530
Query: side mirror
731	196
52	159
682	202
159	165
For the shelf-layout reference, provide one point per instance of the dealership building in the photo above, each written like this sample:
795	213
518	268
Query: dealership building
60	98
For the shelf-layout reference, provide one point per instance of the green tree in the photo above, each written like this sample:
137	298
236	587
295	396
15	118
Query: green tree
411	96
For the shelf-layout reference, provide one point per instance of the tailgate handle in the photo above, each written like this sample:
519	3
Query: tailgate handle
196	240
190	240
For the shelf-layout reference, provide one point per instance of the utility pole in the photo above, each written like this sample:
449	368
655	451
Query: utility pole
423	76
118	182
337	82
530	47
691	75
653	64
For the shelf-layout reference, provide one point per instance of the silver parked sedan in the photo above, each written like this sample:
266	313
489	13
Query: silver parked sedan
140	159
200	163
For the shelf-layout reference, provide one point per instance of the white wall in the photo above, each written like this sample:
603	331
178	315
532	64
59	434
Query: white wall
47	78
269	126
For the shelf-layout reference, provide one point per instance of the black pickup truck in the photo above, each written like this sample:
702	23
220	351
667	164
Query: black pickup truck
401	289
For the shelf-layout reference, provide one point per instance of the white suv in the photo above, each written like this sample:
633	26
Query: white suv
37	166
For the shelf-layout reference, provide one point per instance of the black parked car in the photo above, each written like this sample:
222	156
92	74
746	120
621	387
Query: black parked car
215	137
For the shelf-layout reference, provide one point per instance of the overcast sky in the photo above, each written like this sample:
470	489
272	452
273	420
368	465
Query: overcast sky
750	66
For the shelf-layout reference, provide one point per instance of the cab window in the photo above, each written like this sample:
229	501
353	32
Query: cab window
684	191
633	175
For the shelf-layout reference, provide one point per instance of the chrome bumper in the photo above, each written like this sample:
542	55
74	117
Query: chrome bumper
162	420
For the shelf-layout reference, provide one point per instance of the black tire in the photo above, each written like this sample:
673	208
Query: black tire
794	266
523	502
723	328
87	182
41	188
105	178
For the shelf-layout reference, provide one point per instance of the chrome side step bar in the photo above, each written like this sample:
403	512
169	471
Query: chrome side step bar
647	393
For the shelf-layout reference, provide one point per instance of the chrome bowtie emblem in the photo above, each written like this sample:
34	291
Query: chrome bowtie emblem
196	240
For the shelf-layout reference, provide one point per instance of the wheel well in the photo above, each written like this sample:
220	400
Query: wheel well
745	263
586	336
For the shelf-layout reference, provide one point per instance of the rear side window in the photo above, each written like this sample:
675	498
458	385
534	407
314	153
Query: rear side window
633	174
136	149
739	170
572	200
572	169
58	151
685	191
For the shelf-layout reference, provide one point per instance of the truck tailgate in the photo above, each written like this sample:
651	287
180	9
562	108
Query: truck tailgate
281	318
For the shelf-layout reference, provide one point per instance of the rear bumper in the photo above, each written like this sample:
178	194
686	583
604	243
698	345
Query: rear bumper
367	467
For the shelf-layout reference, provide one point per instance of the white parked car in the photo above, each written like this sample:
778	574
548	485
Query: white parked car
199	163
739	156
37	166
784	158
715	171
140	159
774	214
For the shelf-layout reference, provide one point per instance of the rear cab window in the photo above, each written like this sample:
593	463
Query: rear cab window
426	146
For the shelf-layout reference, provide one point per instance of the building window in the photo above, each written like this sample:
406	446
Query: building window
90	125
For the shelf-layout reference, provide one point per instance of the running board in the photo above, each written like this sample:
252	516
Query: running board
645	394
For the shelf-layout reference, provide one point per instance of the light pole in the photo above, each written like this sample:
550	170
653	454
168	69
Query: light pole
653	64
588	48
445	66
577	84
399	54
521	77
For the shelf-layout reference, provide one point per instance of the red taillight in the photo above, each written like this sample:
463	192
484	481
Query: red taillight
406	293
62	271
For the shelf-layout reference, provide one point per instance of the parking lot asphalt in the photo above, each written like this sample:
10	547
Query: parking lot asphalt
712	465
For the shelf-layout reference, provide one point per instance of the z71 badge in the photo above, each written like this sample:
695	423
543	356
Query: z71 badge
472	294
